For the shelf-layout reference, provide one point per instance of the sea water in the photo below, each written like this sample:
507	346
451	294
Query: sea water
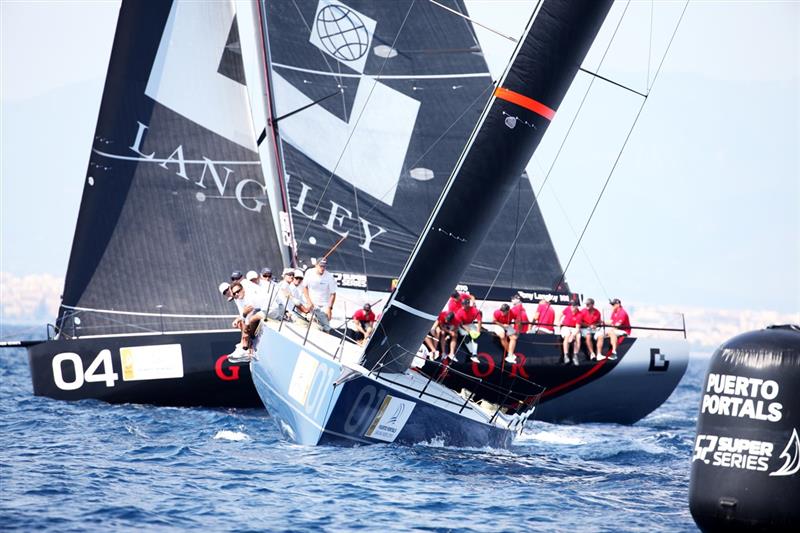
87	465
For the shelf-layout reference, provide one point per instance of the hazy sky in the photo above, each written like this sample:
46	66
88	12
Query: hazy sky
703	208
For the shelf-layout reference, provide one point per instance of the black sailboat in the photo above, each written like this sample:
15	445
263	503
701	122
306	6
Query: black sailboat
318	395
258	149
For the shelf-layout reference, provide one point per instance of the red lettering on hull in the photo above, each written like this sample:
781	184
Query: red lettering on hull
220	369
476	369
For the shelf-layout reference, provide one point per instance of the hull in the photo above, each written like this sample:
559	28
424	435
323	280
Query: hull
315	400
623	391
187	369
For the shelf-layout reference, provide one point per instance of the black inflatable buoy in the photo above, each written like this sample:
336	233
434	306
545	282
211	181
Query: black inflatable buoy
746	461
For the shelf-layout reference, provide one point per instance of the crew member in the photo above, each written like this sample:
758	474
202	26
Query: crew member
363	323
319	290
620	328
248	321
448	330
506	329
521	324
544	317
471	321
589	321
284	297
570	331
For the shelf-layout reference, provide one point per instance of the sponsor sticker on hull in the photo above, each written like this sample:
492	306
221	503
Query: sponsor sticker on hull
302	377
391	418
161	361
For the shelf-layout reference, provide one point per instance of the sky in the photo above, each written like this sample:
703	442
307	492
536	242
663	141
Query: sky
701	210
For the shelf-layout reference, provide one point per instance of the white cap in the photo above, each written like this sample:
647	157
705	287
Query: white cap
224	286
288	271
299	273
251	275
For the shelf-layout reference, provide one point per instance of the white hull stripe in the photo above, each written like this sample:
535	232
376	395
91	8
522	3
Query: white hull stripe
413	311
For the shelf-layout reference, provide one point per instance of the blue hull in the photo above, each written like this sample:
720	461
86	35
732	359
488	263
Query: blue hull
298	387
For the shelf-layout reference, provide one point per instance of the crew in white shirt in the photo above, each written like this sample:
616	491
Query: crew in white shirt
319	290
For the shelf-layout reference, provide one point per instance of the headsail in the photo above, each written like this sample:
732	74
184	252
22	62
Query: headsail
175	196
514	121
408	81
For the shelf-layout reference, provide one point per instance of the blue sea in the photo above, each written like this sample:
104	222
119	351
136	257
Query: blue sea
87	465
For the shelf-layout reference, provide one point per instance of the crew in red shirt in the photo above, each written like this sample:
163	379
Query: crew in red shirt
471	320
521	324
448	328
456	297
620	327
544	317
570	331
363	323
505	329
589	322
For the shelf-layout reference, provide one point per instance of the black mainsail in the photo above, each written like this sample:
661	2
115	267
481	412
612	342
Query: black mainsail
175	195
400	86
513	122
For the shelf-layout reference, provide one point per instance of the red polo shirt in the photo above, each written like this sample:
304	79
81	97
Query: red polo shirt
589	317
501	318
467	315
520	316
570	317
546	315
363	316
620	320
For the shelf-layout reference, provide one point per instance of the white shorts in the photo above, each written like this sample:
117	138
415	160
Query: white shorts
507	329
589	331
464	330
615	331
568	331
542	329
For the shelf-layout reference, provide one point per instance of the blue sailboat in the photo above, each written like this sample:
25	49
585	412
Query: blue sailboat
321	391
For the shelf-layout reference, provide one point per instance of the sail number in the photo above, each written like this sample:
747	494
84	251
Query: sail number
91	375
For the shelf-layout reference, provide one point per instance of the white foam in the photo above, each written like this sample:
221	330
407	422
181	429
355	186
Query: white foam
236	436
551	437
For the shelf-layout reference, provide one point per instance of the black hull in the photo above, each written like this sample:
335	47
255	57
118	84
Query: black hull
621	391
207	377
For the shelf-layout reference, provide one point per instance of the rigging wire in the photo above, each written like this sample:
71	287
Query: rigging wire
484	26
624	144
572	228
358	119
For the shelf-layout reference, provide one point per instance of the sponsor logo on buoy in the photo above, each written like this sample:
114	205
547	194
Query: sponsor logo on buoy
743	397
790	456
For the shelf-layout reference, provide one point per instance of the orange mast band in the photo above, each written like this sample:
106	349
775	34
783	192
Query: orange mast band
523	101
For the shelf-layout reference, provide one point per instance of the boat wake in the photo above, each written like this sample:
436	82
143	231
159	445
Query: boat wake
551	437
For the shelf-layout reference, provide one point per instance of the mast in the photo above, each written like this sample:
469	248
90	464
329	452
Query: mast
513	123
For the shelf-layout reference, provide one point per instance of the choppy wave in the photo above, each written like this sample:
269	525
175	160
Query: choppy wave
92	466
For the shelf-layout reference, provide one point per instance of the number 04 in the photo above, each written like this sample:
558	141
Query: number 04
91	376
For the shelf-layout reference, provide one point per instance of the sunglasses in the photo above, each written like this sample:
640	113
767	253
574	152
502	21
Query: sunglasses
236	292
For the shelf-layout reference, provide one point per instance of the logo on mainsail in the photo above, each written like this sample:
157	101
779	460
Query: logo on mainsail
366	149
342	32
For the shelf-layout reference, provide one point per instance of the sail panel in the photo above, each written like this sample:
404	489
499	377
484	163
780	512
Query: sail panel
405	83
512	125
175	197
